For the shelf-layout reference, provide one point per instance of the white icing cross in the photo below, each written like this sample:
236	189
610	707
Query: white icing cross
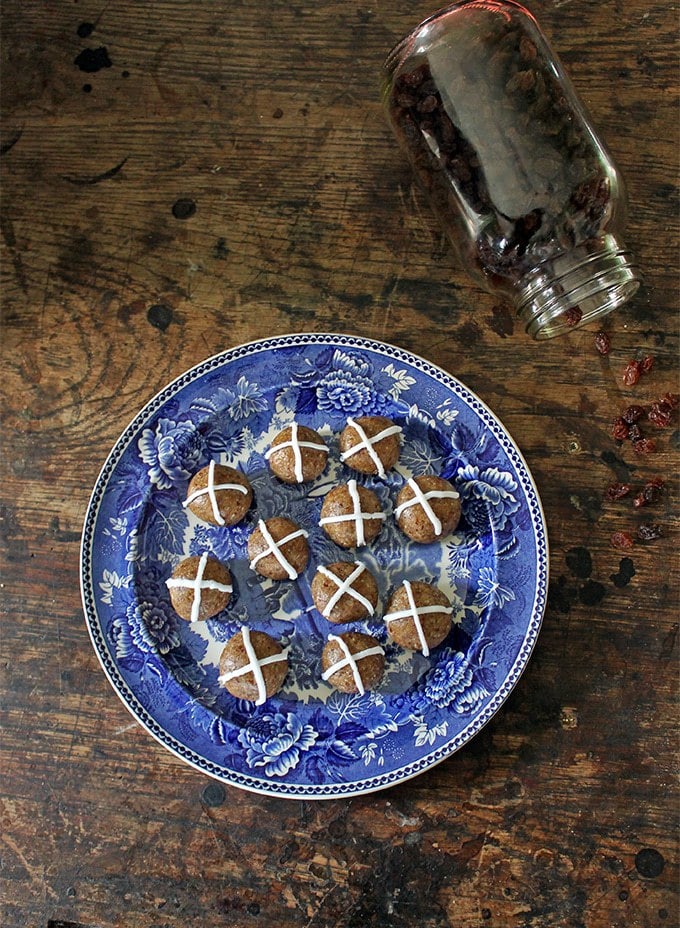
255	665
350	660
295	443
357	516
197	584
367	443
210	490
422	498
345	586
274	547
415	612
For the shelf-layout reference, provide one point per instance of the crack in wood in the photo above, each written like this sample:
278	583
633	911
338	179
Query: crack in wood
97	178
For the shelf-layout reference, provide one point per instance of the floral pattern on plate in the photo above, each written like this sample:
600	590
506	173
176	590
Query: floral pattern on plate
310	740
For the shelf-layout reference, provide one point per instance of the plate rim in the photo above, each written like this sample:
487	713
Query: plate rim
323	791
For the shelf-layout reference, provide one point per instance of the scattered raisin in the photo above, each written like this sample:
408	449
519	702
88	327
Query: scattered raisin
649	493
660	415
673	399
656	482
620	429
649	531
631	373
618	490
622	540
573	316
603	343
645	446
647	364
633	414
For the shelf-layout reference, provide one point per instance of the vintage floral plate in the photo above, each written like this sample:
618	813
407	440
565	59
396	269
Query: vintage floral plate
310	741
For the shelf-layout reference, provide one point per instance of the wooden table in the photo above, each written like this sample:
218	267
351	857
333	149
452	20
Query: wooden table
182	177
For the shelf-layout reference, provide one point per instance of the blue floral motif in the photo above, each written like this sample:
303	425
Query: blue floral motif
342	391
451	685
276	741
339	384
152	627
394	381
225	544
488	496
133	485
163	524
245	400
419	457
305	661
173	450
146	622
490	594
354	738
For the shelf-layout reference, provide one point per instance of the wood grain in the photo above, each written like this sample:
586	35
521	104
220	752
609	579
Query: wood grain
563	811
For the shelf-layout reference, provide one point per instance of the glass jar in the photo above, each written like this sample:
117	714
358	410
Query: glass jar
528	194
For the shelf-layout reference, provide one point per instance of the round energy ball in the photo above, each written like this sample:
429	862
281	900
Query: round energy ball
297	454
351	515
345	591
370	444
199	587
353	662
428	508
278	549
418	616
253	666
219	495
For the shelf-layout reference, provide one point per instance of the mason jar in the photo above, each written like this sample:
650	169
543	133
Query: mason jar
527	192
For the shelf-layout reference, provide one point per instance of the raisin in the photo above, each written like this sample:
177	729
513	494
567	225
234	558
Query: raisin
633	414
428	104
573	316
622	540
635	433
645	446
660	415
673	399
649	493
647	364
603	343
406	99
413	78
618	490
620	429
649	531
631	373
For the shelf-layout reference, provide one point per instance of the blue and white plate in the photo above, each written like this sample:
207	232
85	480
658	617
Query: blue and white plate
309	740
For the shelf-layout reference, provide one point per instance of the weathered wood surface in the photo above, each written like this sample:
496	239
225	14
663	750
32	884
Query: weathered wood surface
265	116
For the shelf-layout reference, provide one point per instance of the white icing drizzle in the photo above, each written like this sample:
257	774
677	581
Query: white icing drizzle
415	612
297	445
350	660
197	585
422	498
345	586
274	547
255	665
367	443
210	490
356	516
